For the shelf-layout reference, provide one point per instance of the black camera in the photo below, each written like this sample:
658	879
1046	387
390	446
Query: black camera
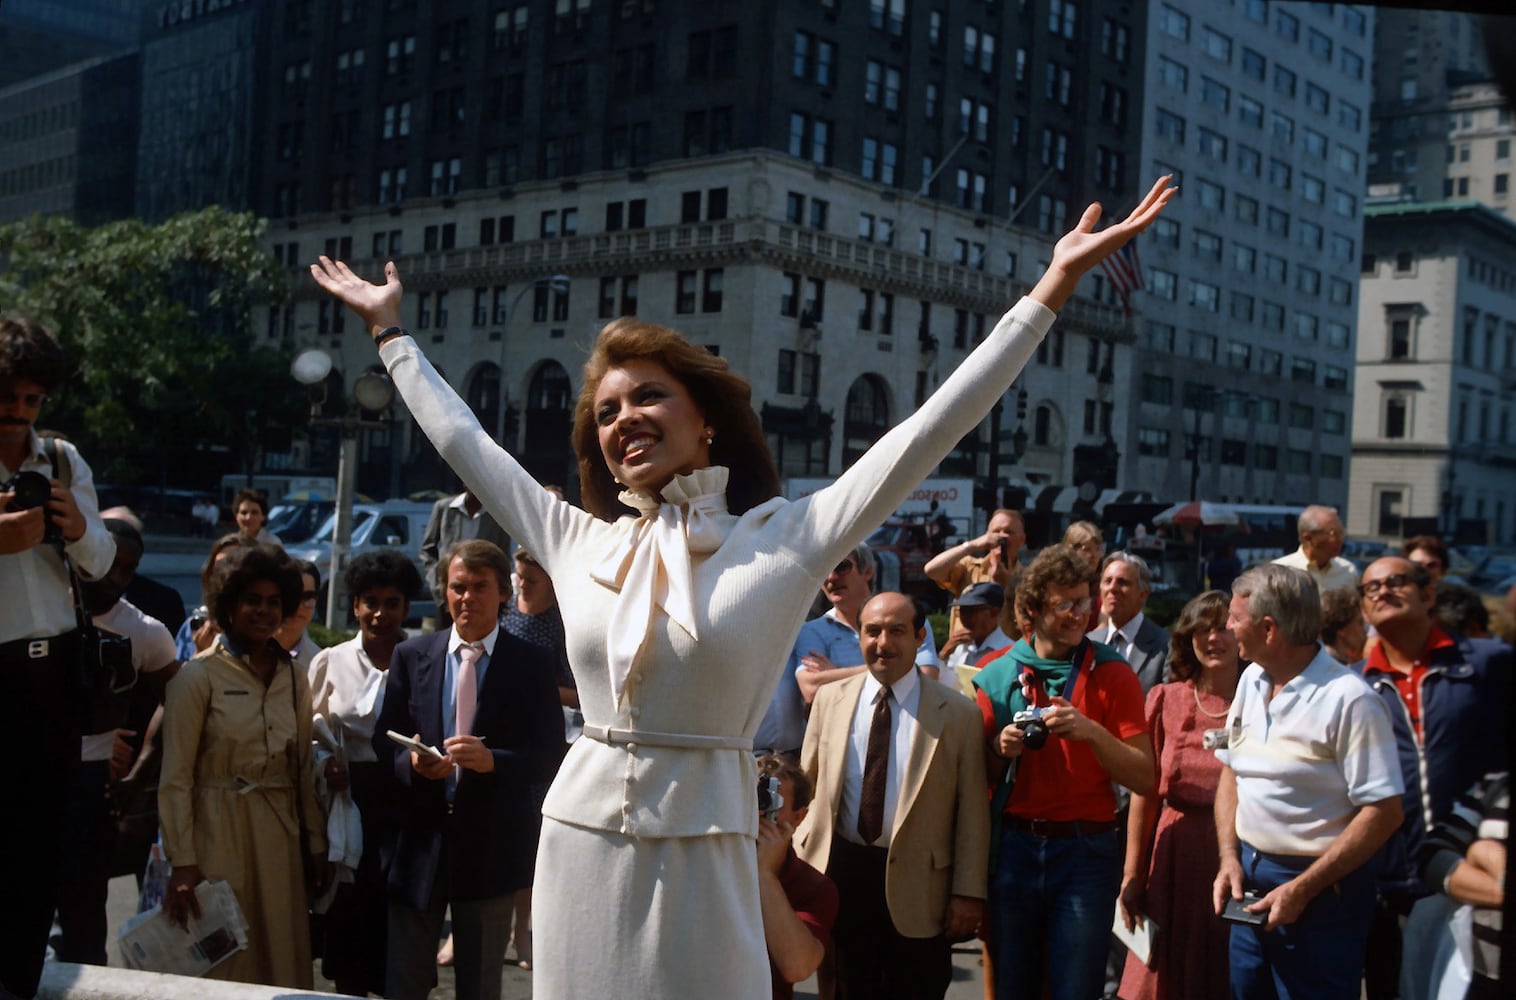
1034	732
106	678
770	799
30	489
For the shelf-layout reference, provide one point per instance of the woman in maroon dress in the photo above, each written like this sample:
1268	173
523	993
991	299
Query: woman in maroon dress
1171	836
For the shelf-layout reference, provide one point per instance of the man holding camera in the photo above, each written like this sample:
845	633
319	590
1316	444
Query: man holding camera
1310	789
47	508
1068	712
799	903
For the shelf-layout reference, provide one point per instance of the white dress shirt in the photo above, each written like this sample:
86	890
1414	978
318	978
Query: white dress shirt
1121	639
34	588
907	705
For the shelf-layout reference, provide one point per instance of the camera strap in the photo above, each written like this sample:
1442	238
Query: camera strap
1031	683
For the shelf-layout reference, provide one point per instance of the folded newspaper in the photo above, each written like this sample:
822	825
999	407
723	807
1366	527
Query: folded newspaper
150	942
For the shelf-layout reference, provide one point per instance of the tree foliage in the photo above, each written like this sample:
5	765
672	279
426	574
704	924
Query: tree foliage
170	376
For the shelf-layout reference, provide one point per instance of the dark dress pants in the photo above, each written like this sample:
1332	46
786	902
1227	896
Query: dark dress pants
36	711
874	960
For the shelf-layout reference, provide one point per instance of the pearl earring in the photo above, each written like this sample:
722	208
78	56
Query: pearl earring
710	436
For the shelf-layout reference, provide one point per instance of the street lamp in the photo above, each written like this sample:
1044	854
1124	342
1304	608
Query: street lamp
373	392
557	283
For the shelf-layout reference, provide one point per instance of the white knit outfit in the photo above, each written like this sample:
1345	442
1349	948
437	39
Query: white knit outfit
646	876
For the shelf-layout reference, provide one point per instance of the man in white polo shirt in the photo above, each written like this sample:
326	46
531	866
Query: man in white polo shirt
1310	788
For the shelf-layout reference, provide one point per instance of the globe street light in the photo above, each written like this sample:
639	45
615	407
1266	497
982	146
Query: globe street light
372	392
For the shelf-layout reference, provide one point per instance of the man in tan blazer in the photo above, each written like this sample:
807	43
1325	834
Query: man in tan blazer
900	820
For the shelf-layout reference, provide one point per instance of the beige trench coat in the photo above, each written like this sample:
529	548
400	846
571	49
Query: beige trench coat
233	755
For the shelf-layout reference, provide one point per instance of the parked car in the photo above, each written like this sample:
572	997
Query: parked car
296	521
393	524
1492	574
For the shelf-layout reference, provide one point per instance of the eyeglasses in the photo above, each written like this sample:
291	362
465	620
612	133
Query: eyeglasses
32	400
843	568
1326	532
308	597
1077	607
1395	581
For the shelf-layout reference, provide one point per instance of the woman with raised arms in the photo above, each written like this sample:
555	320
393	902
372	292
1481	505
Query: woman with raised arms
679	596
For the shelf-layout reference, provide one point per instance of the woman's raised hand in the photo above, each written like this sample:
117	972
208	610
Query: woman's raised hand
1077	253
377	305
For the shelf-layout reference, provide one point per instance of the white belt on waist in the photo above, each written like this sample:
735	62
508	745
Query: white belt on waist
682	741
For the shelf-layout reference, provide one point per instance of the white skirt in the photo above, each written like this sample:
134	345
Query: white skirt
646	918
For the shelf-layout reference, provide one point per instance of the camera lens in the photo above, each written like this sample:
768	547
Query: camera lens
29	489
1034	733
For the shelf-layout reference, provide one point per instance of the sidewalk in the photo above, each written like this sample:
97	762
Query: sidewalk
517	984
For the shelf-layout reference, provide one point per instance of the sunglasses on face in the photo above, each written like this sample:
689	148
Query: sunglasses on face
843	568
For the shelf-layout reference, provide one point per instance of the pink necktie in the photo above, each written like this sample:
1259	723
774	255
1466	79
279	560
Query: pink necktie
468	688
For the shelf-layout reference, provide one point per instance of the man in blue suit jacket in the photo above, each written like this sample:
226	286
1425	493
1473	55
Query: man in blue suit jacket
467	823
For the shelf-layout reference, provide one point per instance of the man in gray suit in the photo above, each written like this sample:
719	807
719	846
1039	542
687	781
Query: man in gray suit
1125	583
455	519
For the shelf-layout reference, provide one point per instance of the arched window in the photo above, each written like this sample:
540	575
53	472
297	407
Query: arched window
550	389
546	450
1042	426
866	416
483	395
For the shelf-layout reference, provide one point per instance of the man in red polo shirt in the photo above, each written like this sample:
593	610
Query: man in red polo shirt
799	903
1447	695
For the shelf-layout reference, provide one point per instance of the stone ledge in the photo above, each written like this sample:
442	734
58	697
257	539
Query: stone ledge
65	981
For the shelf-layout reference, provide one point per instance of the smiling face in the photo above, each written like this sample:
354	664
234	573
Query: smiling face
256	616
381	612
1215	647
888	637
648	426
1059	624
1251	634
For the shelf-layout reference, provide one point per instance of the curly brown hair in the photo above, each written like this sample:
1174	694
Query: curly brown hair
725	398
1204	612
245	566
1055	566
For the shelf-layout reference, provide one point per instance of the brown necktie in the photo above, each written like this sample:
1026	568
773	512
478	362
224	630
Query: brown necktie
876	765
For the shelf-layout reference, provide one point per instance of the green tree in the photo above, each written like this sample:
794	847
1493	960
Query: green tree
172	385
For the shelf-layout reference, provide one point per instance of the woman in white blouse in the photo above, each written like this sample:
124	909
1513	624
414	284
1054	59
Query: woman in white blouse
680	597
347	690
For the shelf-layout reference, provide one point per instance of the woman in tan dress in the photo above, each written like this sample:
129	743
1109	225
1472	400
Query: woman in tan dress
236	742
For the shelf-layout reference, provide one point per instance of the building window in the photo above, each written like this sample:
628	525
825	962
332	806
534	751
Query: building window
1153	442
1391	509
685	291
1157	389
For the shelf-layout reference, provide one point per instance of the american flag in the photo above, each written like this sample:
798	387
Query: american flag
1124	269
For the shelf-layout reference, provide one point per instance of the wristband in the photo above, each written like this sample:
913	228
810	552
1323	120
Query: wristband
389	333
